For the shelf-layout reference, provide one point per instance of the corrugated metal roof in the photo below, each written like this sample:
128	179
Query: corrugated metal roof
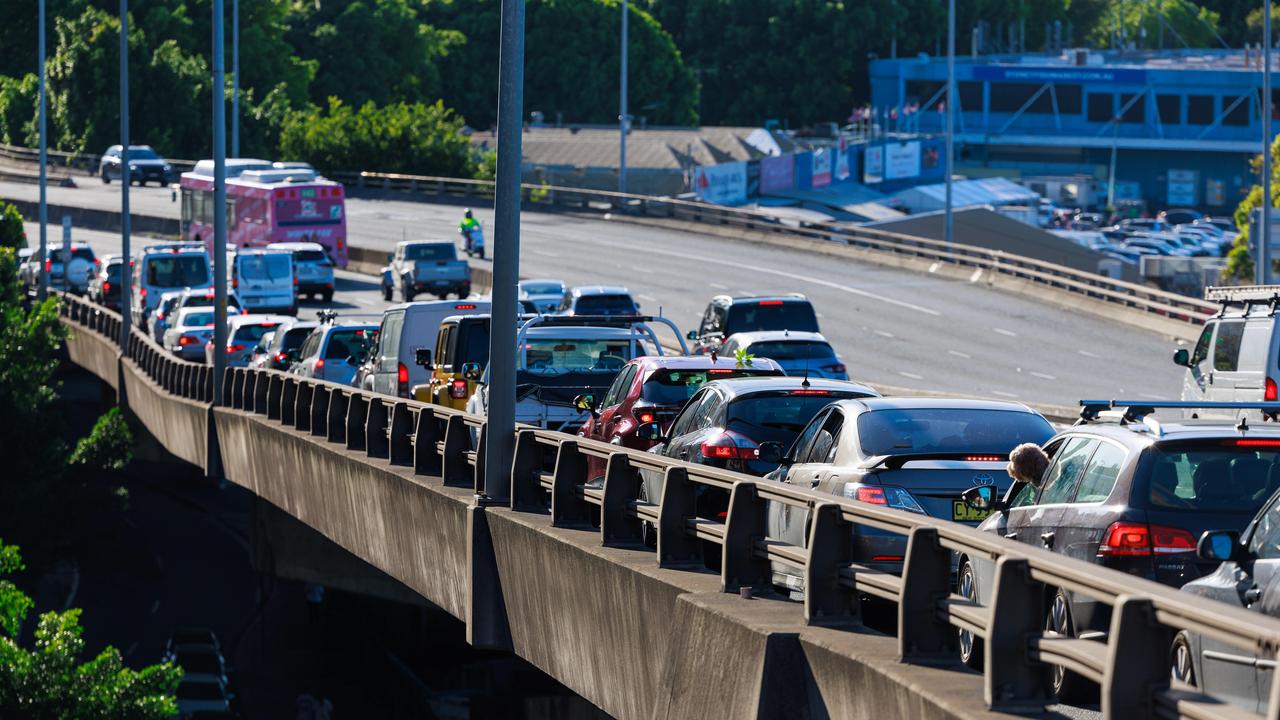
597	147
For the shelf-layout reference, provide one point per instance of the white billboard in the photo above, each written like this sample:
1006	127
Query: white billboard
873	164
724	184
901	160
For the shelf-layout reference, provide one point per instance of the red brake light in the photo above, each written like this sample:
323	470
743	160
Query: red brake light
319	363
281	357
1140	539
886	558
769	302
48	265
1253	442
810	391
730	445
268	325
186	340
143	292
235	348
645	416
295	279
873	495
402	380
984	458
458	389
1270	394
235	283
106	286
464	307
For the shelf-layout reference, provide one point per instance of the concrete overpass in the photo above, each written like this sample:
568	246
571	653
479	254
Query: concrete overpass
514	553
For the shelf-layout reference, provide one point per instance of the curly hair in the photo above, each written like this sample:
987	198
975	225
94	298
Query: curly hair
1027	463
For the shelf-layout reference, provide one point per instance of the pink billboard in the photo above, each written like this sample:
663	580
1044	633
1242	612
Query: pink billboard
777	172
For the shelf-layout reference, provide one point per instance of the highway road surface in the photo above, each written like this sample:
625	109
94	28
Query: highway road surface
892	327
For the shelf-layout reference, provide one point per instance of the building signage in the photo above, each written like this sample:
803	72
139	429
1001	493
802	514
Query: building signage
842	161
725	184
1215	193
901	160
822	167
777	172
873	164
1182	188
1016	73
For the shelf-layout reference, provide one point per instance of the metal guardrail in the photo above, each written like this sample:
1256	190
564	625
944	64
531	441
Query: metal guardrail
1130	662
82	161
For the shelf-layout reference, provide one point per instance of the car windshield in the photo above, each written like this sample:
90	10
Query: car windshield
60	254
674	387
775	416
793	315
791	350
177	271
554	356
436	251
200	691
252	333
542	288
949	430
294	338
309	256
347	343
265	267
1221	476
198	319
142	153
604	305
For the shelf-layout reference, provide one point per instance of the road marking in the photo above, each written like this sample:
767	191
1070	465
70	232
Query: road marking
1043	376
1003	394
1086	353
718	286
647	298
545	253
913	376
1002	331
959	354
644	270
882	333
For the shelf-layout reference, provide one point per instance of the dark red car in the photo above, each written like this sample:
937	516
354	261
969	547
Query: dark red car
653	389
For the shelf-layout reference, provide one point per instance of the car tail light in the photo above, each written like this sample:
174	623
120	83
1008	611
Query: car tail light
235	283
341	243
730	445
319	363
458	389
984	458
48	265
645	416
281	357
237	347
835	368
402	380
106	286
886	558
1270	394
1253	442
295	280
1140	539
769	302
464	306
887	495
720	371
810	391
187	340
143	293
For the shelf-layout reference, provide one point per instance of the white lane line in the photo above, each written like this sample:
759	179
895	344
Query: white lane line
882	333
959	354
913	376
545	253
1002	331
718	286
364	301
644	270
1003	394
688	257
1043	376
647	298
1086	353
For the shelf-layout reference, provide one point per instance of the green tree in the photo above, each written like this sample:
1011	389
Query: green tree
50	681
18	98
1156	23
12	233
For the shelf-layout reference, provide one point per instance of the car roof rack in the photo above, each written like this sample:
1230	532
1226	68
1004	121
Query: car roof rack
173	247
1127	411
1245	295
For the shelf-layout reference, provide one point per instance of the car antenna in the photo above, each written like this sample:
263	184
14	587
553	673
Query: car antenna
805	383
714	358
1244	424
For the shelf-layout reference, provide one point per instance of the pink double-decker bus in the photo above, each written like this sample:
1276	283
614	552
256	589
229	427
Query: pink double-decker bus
267	203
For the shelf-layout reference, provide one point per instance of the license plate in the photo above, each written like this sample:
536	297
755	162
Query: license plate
963	513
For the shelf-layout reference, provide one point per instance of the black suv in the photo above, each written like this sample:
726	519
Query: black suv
726	315
144	166
1132	493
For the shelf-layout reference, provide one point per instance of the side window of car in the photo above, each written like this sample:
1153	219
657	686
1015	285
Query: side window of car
708	320
685	418
442	354
1226	346
800	448
389	342
1100	477
1201	352
824	443
618	390
708	411
1025	496
1060	480
1264	543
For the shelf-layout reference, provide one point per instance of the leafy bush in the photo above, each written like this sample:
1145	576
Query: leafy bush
109	445
12	235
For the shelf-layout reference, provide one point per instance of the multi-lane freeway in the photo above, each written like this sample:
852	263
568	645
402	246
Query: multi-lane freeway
893	327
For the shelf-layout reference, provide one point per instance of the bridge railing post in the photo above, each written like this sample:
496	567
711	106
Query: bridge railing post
275	393
527	494
678	504
457	440
233	388
426	459
375	428
1013	681
621	487
357	411
261	391
743	526
400	436
1137	660
336	417
288	400
478	471
567	509
306	394
830	550
926	581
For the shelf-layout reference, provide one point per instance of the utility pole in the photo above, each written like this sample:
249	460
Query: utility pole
622	108
1264	242
43	286
500	432
219	207
235	78
948	233
125	180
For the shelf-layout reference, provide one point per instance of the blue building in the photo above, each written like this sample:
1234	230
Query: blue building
1184	125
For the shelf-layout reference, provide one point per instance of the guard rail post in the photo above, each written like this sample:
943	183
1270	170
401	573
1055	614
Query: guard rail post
261	391
457	440
477	478
400	435
676	549
567	509
1137	660
320	398
375	428
275	393
302	416
357	416
336	418
926	582
527	494
426	459
289	401
744	525
1014	682
232	389
621	486
830	550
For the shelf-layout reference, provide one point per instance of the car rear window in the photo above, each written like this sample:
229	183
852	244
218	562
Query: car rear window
674	387
311	256
1220	476
555	356
177	271
604	305
430	252
59	254
542	288
266	267
198	320
294	338
253	333
949	430
474	346
346	343
200	662
775	416
794	315
792	350
199	691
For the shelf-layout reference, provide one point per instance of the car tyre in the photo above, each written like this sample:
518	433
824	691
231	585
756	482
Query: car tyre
1181	667
407	293
971	649
387	293
328	296
106	179
1068	686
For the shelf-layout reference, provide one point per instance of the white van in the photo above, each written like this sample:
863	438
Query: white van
264	280
406	328
164	268
1236	358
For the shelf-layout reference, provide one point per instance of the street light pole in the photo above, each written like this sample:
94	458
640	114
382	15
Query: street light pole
622	108
219	207
948	232
43	286
1264	242
125	179
235	78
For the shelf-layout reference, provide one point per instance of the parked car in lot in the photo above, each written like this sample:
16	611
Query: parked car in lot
598	300
727	315
913	454
1237	357
264	280
189	332
104	285
653	389
145	166
799	353
275	351
333	351
163	268
313	267
405	329
1129	492
545	295
419	266
243	334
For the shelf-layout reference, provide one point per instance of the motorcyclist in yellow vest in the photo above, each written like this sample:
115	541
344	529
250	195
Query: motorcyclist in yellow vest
468	223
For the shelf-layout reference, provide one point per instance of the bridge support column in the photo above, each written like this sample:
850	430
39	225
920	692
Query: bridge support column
567	509
457	441
400	436
426	459
375	428
527	494
336	415
487	624
621	486
357	409
289	402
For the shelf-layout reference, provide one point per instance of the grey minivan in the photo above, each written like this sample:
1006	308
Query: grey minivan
1236	358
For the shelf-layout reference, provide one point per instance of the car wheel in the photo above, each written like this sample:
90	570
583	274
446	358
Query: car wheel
1069	687
386	293
970	644
1181	667
407	293
106	179
328	296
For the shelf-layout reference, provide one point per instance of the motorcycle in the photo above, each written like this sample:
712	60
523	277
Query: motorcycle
473	241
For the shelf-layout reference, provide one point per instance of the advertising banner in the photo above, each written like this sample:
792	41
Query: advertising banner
902	160
842	161
725	184
873	164
777	173
1182	187
822	167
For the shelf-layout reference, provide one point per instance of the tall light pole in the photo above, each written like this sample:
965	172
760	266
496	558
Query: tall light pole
43	286
622	108
1264	242
219	207
951	113
235	78
126	268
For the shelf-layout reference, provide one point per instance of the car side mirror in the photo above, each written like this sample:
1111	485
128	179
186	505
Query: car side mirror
471	371
691	335
390	258
1182	357
650	431
771	452
982	498
422	356
586	403
1219	546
